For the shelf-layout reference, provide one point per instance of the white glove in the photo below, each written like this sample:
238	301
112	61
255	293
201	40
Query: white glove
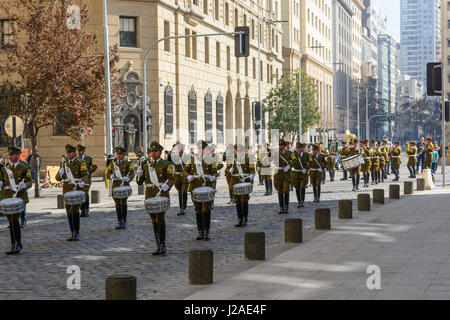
320	170
252	176
112	177
165	187
190	178
231	170
22	186
1	184
139	171
304	171
61	172
82	184
212	179
126	179
286	169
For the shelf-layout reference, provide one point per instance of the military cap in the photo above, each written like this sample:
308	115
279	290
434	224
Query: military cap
373	141
155	146
81	147
429	138
397	142
355	141
14	150
412	142
300	145
179	144
283	143
70	148
202	144
379	141
120	150
344	142
384	141
316	146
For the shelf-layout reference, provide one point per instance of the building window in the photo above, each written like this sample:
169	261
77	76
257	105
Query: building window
227	14
228	58
205	6
168	109
166	34
236	17
206	50
58	128
194	46
253	29
187	44
218	54
192	106
5	34
219	119
208	118
128	32
216	9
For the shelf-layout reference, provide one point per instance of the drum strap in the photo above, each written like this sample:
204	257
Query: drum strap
152	174
12	182
69	174
117	172
199	167
299	161
238	165
315	159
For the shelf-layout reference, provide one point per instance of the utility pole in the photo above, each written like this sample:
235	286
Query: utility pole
443	93
300	133
357	97
108	81
348	107
367	114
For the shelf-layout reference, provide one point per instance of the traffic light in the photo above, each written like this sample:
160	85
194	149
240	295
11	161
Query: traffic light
242	42
447	111
434	79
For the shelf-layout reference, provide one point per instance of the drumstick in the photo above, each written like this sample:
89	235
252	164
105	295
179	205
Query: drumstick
15	194
160	189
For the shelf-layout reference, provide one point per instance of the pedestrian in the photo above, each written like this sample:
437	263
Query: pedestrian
421	154
428	154
31	162
435	161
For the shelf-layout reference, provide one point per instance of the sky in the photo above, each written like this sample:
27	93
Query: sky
391	9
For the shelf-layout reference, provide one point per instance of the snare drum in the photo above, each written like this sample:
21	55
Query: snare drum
74	198
352	162
203	194
12	206
242	189
122	192
157	204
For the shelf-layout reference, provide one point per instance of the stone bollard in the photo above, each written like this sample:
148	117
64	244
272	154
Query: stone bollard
420	184
95	196
345	209
201	266
120	287
378	196
363	202
141	189
394	191
408	187
255	246
60	201
293	231
322	218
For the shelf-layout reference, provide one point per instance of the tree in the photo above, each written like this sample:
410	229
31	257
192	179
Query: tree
282	105
55	68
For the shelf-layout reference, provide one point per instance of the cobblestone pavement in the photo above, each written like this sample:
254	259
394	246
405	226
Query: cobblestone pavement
39	272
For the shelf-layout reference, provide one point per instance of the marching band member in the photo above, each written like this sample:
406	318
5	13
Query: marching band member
374	170
282	177
179	159
92	167
228	157
159	179
411	153
121	172
73	172
243	170
343	153
386	157
331	165
317	164
355	172
211	149
325	153
383	153
396	160
199	172
428	154
367	152
15	178
299	172
266	170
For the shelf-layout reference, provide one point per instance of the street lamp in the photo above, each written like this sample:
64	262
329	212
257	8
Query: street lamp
108	80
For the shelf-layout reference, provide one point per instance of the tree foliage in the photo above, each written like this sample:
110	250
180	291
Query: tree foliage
282	105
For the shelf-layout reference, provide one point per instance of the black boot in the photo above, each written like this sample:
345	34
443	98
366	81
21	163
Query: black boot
358	177
17	238
207	224
302	196
124	216
315	193
199	217
245	212
414	171
286	203
299	197
281	202
157	238
23	220
318	193
185	196
162	234
271	187
382	175
266	184
231	196
119	217
76	224
71	225
354	183
410	172
180	201
239	214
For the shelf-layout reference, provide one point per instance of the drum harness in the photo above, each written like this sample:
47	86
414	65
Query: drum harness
12	183
316	169
118	174
200	173
70	179
278	168
241	173
301	164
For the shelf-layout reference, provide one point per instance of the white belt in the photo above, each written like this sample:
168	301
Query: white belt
8	188
177	172
366	158
396	157
279	168
315	169
412	156
152	185
205	175
67	180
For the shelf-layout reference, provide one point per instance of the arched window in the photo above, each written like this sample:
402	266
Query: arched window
168	109
219	119
192	106
208	118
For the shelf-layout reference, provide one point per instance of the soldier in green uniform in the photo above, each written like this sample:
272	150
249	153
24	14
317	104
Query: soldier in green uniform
15	179
367	157
343	153
428	154
411	153
299	172
282	177
1	166
331	165
211	153
73	172
92	167
355	172
179	159
383	153
121	172
158	177
228	157
243	170
396	160
386	158
258	165
266	169
317	164
326	154
374	170
201	172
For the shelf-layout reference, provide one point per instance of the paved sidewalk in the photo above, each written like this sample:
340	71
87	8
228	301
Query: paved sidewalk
408	239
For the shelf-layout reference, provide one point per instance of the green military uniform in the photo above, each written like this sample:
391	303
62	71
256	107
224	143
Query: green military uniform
1	188
74	175
179	159
317	164
299	173
374	170
396	160
411	153
219	165
343	153
382	167
92	167
386	158
428	154
243	170
228	158
355	172
15	179
367	153
326	154
266	170
192	172
121	172
158	176
331	165
281	179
